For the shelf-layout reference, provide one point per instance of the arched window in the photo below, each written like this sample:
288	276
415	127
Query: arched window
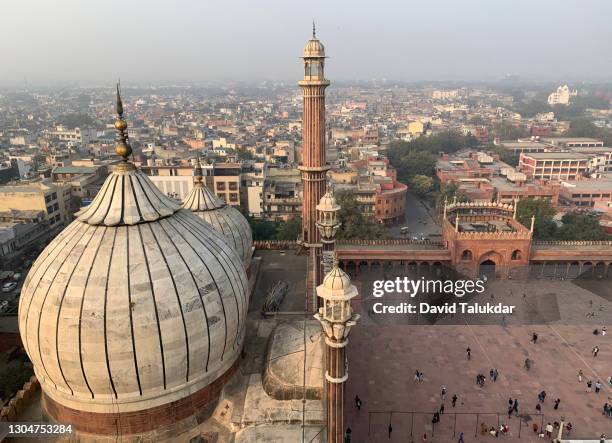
516	254
466	255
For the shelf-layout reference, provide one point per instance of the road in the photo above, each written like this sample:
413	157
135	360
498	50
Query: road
417	219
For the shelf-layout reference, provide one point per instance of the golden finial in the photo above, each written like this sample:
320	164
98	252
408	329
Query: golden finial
123	148
197	171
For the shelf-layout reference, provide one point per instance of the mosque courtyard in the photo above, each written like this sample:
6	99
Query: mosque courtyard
384	355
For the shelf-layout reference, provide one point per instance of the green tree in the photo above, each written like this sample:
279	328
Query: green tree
418	157
446	192
531	108
577	226
289	230
507	131
422	185
544	226
355	225
243	154
263	229
586	128
504	154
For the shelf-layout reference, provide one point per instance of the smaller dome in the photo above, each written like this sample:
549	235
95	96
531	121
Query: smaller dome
314	48
336	285
328	203
226	220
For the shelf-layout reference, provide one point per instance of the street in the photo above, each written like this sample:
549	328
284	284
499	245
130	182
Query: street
417	219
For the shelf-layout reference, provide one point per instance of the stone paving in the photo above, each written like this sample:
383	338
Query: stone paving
383	359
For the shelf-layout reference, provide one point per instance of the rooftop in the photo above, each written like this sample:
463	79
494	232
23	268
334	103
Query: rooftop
571	139
587	185
556	155
75	170
522	144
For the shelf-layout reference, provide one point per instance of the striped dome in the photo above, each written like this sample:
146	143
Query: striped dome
136	304
314	49
225	219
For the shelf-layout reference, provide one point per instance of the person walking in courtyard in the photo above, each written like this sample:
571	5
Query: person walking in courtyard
557	401
597	387
595	351
357	403
549	429
542	396
443	393
390	430
539	407
515	406
580	375
495	374
534	338
468	351
454	400
461	440
589	385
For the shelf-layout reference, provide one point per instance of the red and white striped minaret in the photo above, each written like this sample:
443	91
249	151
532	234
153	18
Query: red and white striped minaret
313	166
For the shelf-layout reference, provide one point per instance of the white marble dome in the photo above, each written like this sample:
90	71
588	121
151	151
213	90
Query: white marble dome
314	48
336	283
226	220
137	303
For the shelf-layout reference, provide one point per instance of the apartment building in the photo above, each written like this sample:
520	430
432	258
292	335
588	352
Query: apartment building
554	165
53	199
176	180
20	233
572	142
252	189
282	193
586	193
76	135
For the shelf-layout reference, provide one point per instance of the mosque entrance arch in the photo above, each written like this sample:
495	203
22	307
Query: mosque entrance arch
489	265
487	268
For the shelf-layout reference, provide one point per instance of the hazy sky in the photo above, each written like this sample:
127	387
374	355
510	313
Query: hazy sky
94	42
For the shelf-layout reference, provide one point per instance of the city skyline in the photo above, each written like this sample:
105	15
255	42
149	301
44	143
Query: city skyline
192	42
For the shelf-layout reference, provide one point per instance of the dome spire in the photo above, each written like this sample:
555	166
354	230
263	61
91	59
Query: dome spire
123	148
197	171
314	29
